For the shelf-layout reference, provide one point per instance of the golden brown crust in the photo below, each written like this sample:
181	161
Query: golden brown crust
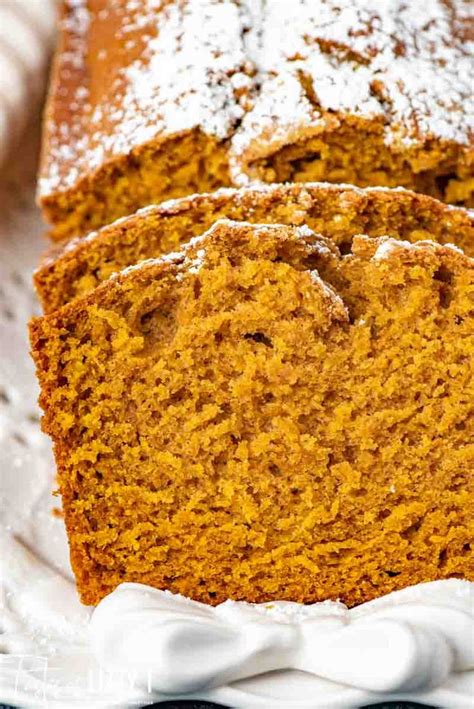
338	212
260	418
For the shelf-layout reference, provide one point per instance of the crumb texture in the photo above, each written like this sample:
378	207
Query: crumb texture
337	212
260	417
366	92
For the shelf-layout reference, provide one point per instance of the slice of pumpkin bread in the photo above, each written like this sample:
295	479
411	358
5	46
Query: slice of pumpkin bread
259	417
336	211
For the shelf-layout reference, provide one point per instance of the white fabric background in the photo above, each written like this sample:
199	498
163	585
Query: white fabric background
26	37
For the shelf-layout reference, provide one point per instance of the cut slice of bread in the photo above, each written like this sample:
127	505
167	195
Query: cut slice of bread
336	211
259	417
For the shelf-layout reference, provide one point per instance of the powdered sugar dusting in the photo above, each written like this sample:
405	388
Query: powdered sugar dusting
389	246
62	167
185	68
256	73
197	262
406	63
186	76
175	257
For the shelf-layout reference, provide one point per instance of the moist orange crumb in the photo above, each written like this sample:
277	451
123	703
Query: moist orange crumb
259	417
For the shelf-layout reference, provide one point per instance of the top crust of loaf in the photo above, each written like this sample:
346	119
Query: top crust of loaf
255	75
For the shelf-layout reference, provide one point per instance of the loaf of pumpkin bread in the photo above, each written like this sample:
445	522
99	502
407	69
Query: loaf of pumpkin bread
151	101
